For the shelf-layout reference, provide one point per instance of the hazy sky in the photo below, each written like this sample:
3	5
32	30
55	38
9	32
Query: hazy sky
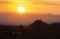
9	11
27	18
34	6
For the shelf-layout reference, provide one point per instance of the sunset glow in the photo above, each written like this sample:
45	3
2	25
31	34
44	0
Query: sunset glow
33	6
25	11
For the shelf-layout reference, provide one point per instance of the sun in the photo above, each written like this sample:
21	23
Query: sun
21	9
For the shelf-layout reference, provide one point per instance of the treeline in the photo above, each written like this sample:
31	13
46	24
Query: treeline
37	30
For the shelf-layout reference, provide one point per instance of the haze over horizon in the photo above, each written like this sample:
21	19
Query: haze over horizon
26	19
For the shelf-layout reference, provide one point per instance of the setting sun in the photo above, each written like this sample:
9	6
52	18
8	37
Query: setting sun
21	9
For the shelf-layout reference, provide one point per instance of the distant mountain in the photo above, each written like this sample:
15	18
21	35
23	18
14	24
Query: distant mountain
25	19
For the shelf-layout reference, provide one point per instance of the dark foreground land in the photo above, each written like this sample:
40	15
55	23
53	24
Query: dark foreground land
36	30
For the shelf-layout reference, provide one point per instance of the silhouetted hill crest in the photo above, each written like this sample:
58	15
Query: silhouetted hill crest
38	24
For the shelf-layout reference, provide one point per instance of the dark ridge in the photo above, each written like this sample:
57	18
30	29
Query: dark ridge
37	30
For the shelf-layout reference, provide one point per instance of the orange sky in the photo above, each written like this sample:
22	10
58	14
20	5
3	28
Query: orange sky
33	6
36	9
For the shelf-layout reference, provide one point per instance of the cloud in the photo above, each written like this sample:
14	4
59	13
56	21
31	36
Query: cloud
6	2
50	3
47	2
